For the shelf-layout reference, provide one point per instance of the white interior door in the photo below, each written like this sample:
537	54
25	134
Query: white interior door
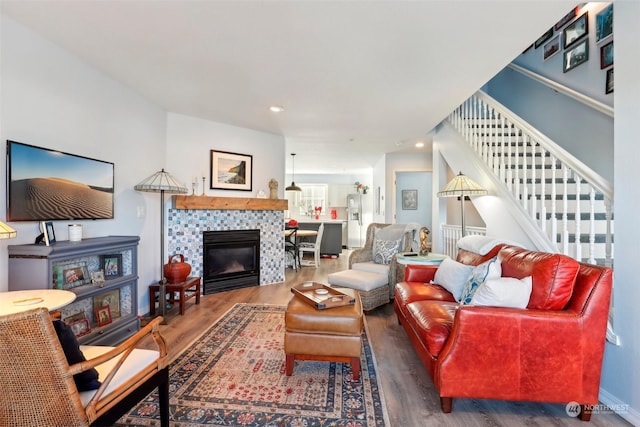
413	198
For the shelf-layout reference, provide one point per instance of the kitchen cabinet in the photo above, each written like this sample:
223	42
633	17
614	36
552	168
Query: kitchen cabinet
69	265
331	238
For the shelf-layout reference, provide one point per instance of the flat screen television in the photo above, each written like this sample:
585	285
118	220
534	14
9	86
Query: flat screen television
45	184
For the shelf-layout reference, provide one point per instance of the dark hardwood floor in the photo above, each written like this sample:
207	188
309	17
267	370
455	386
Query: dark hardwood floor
410	396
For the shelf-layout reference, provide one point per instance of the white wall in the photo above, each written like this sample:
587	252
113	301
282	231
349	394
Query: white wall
49	98
190	139
621	376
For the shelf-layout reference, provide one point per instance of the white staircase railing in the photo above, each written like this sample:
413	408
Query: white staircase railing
571	204
452	233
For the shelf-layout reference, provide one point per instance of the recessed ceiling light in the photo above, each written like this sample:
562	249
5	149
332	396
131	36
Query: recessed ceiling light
276	108
419	144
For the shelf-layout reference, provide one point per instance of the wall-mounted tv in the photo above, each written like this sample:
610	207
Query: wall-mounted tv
45	184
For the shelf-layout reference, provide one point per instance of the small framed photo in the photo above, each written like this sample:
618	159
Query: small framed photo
111	265
48	232
110	299
97	277
609	84
80	327
604	23
231	171
103	315
74	275
74	317
576	56
551	48
606	55
409	199
576	30
543	38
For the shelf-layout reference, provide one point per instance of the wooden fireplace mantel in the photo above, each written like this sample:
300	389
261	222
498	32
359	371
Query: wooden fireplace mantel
229	203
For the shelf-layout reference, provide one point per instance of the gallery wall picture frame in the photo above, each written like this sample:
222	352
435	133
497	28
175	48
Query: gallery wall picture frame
543	38
409	199
575	56
573	32
606	55
111	265
230	171
604	23
609	82
566	18
551	48
103	315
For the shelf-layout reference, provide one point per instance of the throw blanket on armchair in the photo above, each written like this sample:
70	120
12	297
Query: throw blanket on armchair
397	231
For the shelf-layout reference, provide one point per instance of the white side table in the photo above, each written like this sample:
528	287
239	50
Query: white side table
430	259
17	301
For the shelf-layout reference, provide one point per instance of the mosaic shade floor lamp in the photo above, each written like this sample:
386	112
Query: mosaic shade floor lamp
161	182
462	186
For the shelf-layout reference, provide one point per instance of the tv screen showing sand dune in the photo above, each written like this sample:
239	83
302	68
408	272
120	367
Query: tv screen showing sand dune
49	185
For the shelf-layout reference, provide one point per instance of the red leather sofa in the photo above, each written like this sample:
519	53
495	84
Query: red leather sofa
549	352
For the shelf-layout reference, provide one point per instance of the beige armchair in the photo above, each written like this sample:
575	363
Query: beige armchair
38	384
365	254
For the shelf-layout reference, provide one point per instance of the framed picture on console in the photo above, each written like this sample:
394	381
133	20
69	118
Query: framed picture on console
111	265
103	315
231	171
49	234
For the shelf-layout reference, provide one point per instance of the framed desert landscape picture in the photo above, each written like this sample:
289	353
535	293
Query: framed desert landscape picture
59	186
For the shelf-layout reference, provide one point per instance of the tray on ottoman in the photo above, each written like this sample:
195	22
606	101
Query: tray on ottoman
321	296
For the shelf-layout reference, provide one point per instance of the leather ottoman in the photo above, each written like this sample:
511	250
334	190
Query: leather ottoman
333	334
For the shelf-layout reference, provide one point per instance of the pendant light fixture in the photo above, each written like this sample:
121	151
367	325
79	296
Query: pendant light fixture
293	186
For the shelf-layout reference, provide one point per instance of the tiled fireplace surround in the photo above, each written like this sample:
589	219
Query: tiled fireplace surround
185	227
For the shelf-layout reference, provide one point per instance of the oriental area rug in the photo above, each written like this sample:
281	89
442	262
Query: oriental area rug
234	375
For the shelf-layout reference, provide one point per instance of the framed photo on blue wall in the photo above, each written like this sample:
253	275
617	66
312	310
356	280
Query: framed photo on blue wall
575	31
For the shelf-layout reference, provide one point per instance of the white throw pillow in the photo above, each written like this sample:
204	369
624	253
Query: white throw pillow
504	292
452	276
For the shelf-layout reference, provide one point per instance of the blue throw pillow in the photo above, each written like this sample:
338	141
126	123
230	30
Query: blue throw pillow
487	270
87	380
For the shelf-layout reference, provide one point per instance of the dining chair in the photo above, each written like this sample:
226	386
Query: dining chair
291	246
313	247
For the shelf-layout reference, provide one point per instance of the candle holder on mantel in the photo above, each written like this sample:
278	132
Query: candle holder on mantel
203	178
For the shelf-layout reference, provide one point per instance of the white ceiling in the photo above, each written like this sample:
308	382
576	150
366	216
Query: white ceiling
356	78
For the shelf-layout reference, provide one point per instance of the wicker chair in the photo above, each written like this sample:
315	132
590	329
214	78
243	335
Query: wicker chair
365	254
38	385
